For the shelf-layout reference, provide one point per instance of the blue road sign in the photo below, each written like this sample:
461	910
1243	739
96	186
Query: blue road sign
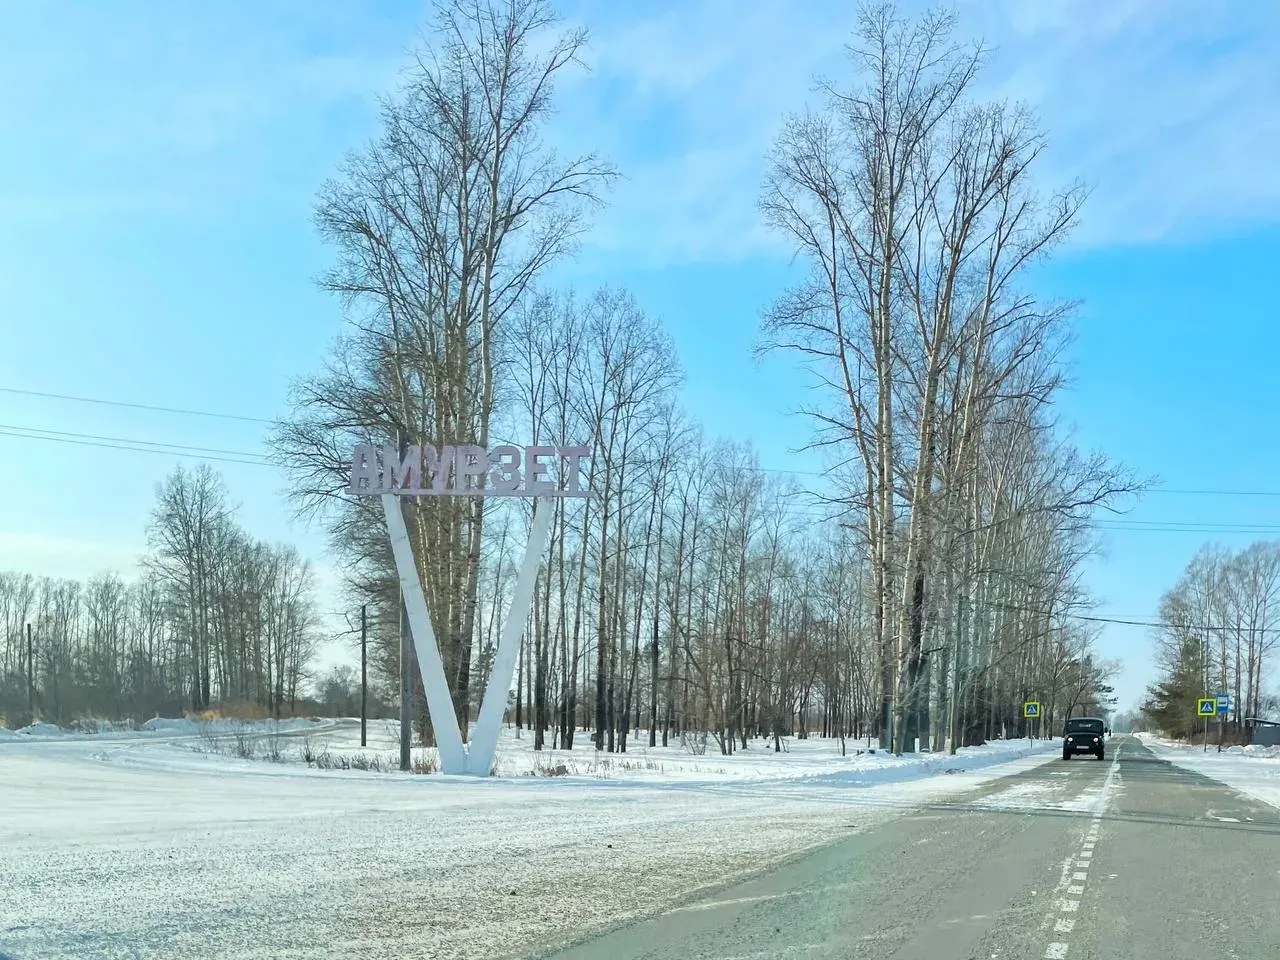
1206	707
1224	703
1031	708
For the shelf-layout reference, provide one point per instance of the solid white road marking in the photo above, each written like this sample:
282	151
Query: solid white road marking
1080	876
1076	889
1063	925
1056	951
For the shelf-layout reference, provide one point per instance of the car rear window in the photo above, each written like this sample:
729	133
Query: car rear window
1084	726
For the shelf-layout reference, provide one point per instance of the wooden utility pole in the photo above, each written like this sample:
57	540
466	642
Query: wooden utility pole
406	658
31	678
364	674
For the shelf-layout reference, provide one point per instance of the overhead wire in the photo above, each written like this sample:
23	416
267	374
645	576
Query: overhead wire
258	459
134	406
110	444
813	510
1124	621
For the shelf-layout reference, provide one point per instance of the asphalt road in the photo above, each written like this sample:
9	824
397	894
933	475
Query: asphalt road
1128	858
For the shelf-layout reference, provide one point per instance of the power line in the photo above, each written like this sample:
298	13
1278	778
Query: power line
178	451
134	406
1217	493
1135	622
182	411
816	511
148	443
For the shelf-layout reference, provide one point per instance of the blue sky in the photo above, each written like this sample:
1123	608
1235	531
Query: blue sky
156	247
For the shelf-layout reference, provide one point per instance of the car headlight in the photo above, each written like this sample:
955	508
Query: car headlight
1069	739
1095	739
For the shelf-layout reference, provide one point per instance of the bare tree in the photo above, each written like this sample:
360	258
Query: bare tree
440	227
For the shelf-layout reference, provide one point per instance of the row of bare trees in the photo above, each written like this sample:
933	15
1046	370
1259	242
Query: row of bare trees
916	210
1219	627
214	616
921	591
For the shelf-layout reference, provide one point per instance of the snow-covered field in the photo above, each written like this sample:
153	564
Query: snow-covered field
1254	771
155	844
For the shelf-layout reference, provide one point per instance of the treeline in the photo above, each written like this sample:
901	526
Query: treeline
214	616
1219	628
922	591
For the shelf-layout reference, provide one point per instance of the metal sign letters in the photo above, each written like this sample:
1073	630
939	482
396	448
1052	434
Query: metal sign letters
504	471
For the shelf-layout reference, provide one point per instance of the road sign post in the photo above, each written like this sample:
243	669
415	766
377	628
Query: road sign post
1224	707
1206	707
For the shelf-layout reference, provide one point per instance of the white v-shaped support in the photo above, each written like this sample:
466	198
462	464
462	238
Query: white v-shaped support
455	757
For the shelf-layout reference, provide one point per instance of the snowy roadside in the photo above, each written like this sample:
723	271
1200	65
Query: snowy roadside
213	860
1254	771
800	759
158	728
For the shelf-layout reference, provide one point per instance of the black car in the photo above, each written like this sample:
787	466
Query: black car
1084	735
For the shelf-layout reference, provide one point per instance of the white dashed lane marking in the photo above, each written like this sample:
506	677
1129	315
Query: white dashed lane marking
1078	868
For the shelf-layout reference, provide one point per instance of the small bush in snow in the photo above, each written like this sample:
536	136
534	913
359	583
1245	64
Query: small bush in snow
275	747
695	743
246	746
208	742
366	762
308	751
427	764
330	761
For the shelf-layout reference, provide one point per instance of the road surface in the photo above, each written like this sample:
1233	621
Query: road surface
1127	858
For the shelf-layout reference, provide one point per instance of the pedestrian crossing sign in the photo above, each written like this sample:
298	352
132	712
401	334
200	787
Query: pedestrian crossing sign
1207	706
1031	708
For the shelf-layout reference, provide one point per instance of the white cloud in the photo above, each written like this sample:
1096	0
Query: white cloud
686	103
1167	110
185	109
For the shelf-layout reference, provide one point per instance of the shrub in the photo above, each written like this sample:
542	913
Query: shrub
246	745
695	742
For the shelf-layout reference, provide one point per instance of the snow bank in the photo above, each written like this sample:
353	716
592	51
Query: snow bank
815	759
191	727
1252	770
170	725
159	728
42	729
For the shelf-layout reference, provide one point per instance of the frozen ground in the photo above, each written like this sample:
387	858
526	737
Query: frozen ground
140	846
1254	771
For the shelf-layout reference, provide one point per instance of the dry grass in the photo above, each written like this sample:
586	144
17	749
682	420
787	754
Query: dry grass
232	710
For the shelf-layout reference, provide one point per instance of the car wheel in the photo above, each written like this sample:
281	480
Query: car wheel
1101	755
1065	755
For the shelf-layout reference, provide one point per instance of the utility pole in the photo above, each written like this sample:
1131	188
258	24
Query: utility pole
406	645
364	674
31	678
